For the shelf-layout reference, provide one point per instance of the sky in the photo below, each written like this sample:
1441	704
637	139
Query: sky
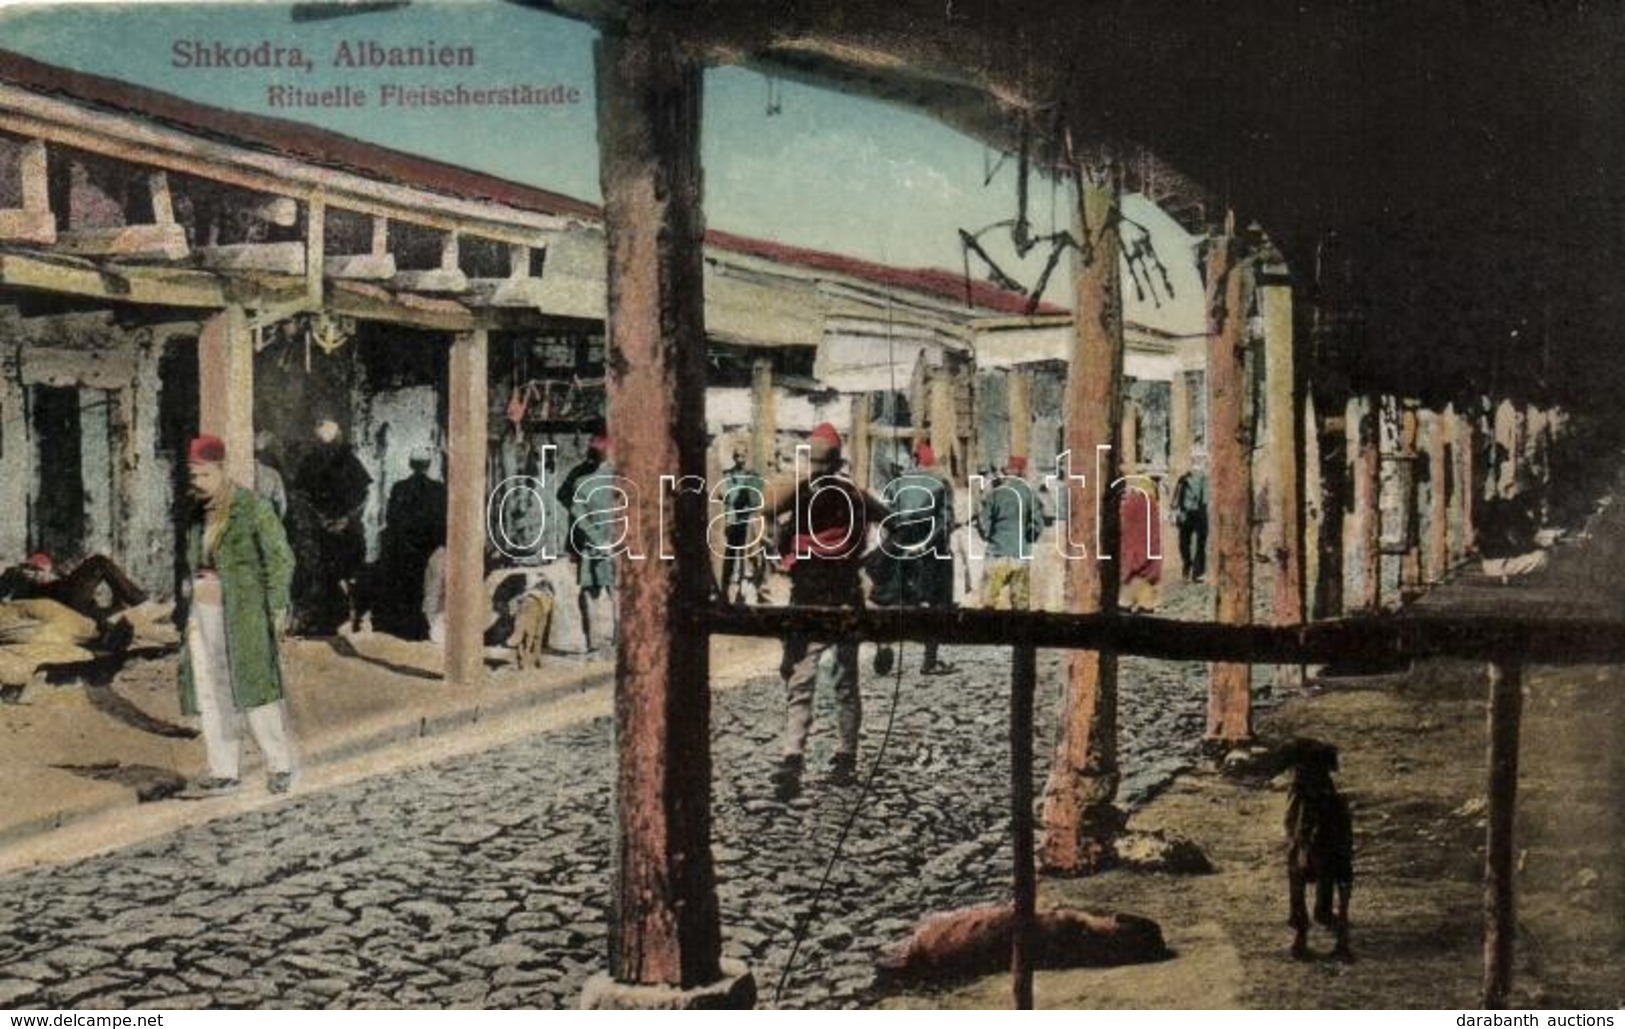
821	169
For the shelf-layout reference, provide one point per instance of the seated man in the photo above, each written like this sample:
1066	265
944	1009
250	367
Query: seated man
96	589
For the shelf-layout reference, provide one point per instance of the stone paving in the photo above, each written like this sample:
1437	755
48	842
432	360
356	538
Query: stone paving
483	882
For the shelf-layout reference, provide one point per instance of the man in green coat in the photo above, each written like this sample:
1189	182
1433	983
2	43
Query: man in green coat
240	568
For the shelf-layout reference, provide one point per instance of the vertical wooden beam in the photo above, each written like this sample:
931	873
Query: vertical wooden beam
1410	567
764	409
1332	438
36	186
451	252
1229	283
1128	434
862	449
1470	445
1020	394
1366	431
1500	866
315	249
1181	438
1437	426
380	236
163	209
944	418
1313	505
1282	413
1023	685
468	411
666	928
1079	816
226	388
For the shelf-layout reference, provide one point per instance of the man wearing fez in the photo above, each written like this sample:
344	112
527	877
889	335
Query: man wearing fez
414	526
826	525
333	485
239	567
919	566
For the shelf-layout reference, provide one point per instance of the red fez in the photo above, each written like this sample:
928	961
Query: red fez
925	455
600	443
1017	464
40	560
826	432
206	450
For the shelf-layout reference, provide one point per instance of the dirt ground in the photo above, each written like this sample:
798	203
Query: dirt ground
1414	768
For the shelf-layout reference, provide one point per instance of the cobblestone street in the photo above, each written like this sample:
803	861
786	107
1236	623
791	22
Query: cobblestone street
483	881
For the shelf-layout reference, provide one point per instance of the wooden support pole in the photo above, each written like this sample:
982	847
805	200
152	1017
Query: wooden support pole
1283	411
1079	816
163	209
1436	426
1410	566
1020	386
1313	507
1469	444
1128	434
764	410
468	410
315	250
1181	438
1332	437
1366	431
862	447
944	419
1500	865
226	389
666	928
33	166
1229	439
1023	685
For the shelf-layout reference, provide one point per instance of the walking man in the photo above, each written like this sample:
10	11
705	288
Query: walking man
827	520
1010	521
594	500
240	567
918	570
741	499
1190	516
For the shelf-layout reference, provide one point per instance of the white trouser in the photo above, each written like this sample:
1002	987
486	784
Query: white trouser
217	708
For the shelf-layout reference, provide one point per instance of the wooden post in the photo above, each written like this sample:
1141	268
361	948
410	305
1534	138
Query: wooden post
1180	437
1437	425
1365	431
1020	394
1229	714
1410	569
1468	446
1313	505
468	410
862	447
666	929
315	247
226	389
764	408
1079	816
1282	411
1023	684
33	168
944	419
1331	438
1500	866
1128	435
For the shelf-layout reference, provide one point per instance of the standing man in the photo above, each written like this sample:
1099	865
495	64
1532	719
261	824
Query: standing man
1190	516
826	525
593	499
1010	521
919	566
240	568
333	486
414	525
741	500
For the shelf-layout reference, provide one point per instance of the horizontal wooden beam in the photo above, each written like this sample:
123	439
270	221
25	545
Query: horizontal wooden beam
160	242
22	226
434	280
281	258
373	303
1379	637
360	266
505	293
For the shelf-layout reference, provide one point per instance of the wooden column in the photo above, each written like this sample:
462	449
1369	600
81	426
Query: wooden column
1332	550
1079	816
1024	883
1365	433
1500	864
1229	282
468	410
226	389
1180	436
1313	506
1410	567
1470	455
764	409
862	447
666	927
1436	561
1282	410
1020	395
944	419
1128	435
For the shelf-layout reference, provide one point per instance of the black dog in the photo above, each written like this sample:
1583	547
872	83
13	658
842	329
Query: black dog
1320	839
